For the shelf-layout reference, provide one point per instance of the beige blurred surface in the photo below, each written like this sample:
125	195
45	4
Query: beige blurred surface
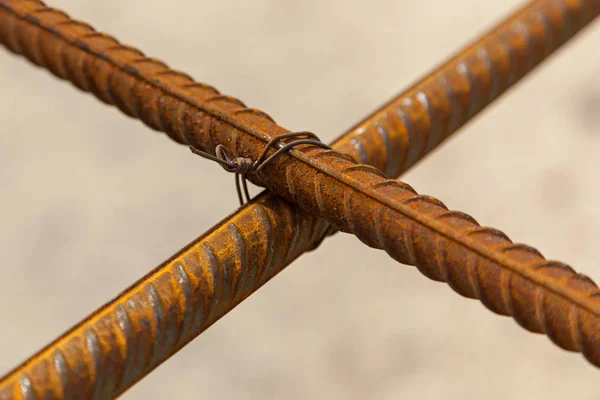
91	200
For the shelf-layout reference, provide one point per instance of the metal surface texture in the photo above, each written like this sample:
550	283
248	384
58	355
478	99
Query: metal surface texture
409	126
245	166
176	300
123	341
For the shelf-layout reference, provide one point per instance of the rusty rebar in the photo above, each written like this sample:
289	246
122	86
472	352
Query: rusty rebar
123	341
410	125
138	337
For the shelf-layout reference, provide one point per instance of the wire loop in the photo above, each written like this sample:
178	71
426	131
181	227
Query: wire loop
243	166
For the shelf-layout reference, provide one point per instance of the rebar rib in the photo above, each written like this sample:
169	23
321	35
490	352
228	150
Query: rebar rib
163	311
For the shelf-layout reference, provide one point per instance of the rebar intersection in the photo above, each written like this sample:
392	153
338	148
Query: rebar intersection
444	245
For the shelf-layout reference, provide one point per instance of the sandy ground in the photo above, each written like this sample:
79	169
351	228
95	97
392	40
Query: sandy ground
92	200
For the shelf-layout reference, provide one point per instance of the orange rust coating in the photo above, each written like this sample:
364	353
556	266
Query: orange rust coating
372	143
404	130
119	344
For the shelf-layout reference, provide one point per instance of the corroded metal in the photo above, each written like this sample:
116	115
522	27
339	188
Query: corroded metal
409	126
374	140
123	341
244	166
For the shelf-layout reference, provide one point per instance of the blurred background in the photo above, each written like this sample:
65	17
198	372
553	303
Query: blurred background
92	200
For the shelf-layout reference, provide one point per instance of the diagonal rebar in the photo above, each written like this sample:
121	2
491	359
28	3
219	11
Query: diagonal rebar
397	126
120	343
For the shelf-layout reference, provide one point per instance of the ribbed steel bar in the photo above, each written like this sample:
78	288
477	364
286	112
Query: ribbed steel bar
409	126
366	139
123	341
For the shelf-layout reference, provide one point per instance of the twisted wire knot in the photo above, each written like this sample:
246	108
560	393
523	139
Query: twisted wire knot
239	165
243	166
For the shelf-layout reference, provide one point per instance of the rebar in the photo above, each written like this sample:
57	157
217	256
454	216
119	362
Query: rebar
410	125
126	339
366	139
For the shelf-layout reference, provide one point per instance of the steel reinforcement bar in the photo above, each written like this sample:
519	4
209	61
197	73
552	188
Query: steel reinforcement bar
98	356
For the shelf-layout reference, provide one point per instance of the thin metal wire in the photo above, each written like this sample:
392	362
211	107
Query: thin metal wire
243	166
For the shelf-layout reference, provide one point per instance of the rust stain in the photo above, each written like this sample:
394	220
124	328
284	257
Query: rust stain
123	341
127	338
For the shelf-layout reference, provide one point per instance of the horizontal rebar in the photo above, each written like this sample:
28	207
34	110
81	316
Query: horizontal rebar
84	360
